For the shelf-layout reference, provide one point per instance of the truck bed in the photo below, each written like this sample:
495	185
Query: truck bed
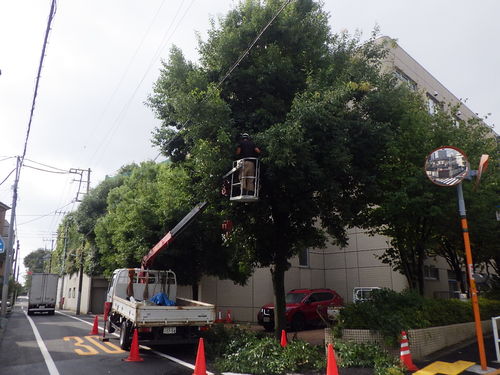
186	312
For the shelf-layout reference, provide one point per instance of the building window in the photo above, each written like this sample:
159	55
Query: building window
304	258
402	77
69	293
74	289
431	273
433	104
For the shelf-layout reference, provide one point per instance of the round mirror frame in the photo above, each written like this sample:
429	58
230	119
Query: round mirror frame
442	171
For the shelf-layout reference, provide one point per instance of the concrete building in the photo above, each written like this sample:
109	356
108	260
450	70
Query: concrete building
93	293
355	265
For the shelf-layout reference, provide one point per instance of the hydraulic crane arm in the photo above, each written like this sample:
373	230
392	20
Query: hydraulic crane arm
172	235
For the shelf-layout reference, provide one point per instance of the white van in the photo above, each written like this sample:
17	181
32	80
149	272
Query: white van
361	294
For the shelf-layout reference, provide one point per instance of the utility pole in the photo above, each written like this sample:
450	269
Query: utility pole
80	280
10	243
62	266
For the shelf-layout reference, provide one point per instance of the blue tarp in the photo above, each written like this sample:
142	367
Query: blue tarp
161	299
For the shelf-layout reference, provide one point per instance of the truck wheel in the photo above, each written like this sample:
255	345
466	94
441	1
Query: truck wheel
298	322
125	335
51	312
30	312
109	326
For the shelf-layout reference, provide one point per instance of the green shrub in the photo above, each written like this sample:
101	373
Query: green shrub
368	355
390	313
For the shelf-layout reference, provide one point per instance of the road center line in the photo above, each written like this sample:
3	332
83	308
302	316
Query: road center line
51	366
160	354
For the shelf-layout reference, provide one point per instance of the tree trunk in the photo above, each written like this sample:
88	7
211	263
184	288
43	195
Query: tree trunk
278	277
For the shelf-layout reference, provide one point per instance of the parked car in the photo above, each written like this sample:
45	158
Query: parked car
361	294
303	308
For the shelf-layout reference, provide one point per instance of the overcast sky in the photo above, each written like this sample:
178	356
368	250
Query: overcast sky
104	56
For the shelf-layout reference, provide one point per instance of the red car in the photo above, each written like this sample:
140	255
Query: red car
303	307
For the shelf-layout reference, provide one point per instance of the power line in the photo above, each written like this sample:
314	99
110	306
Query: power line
121	115
48	166
44	170
7	158
52	13
129	65
49	214
6	178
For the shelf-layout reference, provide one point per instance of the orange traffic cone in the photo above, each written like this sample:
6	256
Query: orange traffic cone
331	364
283	338
405	354
95	328
134	349
200	367
228	317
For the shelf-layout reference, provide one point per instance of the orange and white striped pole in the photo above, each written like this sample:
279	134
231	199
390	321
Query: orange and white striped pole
472	282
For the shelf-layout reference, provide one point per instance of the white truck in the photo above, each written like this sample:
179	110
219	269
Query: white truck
42	293
130	306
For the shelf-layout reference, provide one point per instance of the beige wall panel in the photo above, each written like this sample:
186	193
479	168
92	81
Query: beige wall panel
352	243
399	282
366	242
375	276
185	291
369	258
351	259
335	260
230	294
352	281
318	278
262	287
305	278
336	280
209	289
292	278
316	258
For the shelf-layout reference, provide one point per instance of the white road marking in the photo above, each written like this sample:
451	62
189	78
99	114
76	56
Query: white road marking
160	354
51	366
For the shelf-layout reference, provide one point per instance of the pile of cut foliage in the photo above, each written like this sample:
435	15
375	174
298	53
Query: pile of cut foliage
240	350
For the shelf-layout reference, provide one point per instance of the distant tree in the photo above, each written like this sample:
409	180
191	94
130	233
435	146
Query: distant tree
315	103
152	200
37	261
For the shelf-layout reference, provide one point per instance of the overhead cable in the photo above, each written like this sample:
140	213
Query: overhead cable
49	214
48	166
6	178
52	13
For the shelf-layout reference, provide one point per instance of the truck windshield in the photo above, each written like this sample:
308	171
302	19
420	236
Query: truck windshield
294	297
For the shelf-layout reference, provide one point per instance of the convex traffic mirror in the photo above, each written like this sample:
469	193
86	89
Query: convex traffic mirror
447	166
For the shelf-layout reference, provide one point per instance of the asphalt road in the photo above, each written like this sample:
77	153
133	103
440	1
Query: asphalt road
61	344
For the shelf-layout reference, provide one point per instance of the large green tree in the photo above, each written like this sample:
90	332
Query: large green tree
315	103
420	218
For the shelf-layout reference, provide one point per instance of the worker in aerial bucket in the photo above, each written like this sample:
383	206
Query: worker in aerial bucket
247	149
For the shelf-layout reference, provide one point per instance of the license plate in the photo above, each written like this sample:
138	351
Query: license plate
266	319
169	330
42	306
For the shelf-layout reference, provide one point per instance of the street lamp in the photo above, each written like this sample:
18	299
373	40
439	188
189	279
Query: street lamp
448	166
